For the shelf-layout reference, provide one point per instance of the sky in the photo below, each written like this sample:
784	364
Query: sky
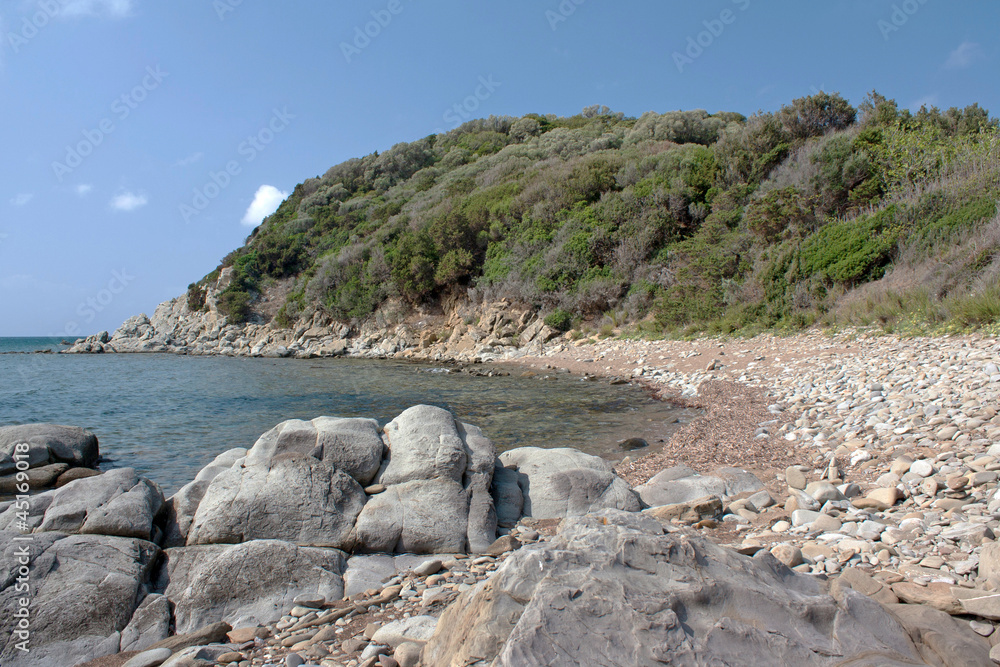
141	141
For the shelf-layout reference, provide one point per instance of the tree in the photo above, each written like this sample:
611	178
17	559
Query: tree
816	115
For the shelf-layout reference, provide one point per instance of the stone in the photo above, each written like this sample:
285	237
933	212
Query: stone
668	490
936	595
413	629
179	510
503	544
534	609
823	492
214	633
245	584
940	639
232	656
989	562
407	654
788	554
795	478
507	496
562	482
804	517
74	474
310	600
761	500
265	501
84	592
888	496
366	572
150	624
438	480
923	467
61	444
738	481
427	568
150	658
987	606
353	446
691	512
118	503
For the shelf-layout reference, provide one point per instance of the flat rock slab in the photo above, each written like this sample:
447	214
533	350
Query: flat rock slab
612	589
246	584
370	572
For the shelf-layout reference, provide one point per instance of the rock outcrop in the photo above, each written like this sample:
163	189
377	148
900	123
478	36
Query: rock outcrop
555	483
437	497
613	589
83	592
246	584
117	503
46	455
292	497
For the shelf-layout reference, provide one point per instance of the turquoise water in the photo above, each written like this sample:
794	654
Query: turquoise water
32	344
169	415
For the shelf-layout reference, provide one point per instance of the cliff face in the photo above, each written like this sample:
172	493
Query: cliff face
461	332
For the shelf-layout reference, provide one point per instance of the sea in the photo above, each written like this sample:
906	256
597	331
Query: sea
169	415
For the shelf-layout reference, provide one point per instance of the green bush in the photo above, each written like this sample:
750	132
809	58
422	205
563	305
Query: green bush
196	297
560	320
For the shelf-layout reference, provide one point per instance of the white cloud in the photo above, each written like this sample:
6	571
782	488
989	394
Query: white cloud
22	199
111	8
83	189
128	201
964	56
265	202
190	159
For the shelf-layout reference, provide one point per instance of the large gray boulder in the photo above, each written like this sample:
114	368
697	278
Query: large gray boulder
48	443
563	482
292	497
353	446
613	589
118	503
178	512
150	624
438	482
680	484
83	592
247	584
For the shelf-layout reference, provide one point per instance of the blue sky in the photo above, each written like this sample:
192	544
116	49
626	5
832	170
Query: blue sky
142	140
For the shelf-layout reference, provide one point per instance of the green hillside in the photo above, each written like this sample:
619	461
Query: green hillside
684	220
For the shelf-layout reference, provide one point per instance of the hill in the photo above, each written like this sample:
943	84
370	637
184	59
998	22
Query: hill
681	221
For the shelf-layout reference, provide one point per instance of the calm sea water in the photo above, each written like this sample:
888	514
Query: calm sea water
168	416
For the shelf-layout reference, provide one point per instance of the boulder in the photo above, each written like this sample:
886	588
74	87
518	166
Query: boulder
371	571
150	624
612	589
292	497
118	503
556	483
941	639
353	446
247	584
49	443
413	629
507	496
179	510
438	481
668	487
83	593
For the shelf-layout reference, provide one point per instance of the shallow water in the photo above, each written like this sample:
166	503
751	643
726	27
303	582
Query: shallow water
168	415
